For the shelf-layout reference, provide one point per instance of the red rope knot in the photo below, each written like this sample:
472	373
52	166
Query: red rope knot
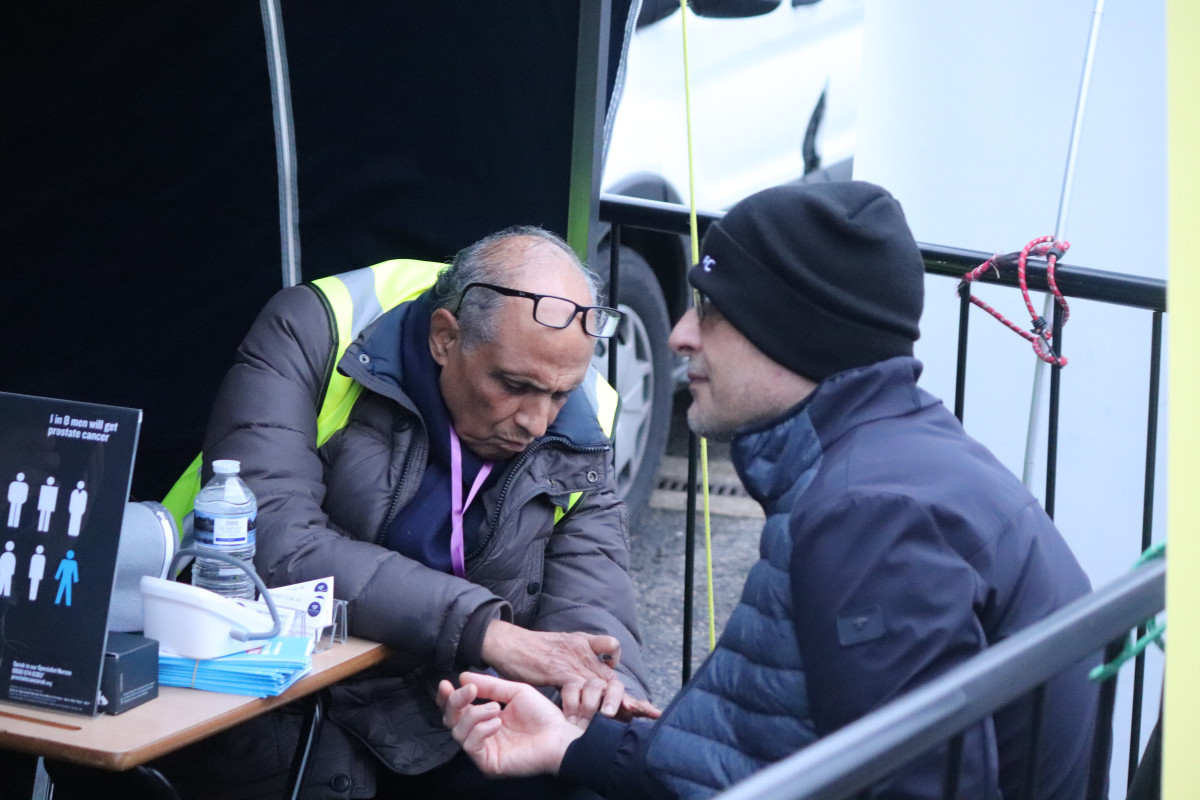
1041	334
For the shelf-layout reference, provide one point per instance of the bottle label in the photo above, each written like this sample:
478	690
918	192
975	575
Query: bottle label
226	532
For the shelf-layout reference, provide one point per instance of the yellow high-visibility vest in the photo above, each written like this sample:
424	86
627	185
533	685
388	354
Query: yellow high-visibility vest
355	300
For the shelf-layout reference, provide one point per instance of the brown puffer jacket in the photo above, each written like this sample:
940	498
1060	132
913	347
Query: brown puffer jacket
322	512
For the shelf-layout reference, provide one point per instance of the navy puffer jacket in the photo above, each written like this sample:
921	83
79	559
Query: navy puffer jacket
908	549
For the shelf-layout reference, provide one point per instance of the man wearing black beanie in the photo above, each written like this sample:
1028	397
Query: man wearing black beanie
895	546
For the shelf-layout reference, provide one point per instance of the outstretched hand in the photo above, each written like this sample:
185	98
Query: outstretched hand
519	733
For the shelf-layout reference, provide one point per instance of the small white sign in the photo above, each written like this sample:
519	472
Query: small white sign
310	602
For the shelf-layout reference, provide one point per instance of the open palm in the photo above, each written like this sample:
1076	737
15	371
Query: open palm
520	733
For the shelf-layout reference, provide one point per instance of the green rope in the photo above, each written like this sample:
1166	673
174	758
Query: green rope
1154	629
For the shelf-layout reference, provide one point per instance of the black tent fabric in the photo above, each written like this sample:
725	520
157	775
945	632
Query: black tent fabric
139	208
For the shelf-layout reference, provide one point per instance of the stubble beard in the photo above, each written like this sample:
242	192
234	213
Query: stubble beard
706	427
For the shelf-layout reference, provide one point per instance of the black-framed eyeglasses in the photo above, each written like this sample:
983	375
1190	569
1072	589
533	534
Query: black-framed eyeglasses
704	307
557	312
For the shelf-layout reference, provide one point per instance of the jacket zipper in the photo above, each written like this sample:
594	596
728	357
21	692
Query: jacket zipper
510	477
421	450
371	383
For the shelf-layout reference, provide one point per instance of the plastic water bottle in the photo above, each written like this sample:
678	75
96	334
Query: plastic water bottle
225	516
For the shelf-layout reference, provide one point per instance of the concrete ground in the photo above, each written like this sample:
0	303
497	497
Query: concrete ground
658	559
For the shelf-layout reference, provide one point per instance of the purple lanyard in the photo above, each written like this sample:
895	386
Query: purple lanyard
457	506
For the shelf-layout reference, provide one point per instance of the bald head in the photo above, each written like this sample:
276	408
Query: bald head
528	258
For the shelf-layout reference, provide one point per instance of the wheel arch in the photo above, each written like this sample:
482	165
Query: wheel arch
668	254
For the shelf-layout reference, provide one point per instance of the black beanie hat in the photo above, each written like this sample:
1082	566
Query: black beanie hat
821	277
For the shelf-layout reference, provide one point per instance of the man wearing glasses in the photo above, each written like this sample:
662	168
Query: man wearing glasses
895	547
465	508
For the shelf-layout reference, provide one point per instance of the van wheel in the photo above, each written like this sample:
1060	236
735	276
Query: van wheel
643	378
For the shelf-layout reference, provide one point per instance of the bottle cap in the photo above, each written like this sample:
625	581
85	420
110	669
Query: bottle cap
226	466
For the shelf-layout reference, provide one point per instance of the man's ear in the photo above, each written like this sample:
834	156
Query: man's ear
444	335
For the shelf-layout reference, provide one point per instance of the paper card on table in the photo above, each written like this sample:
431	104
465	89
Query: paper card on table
287	616
312	602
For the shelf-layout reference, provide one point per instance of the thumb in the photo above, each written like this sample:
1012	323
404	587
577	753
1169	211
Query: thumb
608	648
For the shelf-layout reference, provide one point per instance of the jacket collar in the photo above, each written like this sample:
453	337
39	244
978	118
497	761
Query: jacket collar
778	459
382	372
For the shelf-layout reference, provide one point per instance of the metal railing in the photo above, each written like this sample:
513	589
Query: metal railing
1074	282
866	751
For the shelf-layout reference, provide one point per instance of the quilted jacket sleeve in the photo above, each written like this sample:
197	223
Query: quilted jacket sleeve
587	582
265	416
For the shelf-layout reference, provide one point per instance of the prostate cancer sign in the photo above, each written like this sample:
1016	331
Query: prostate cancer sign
65	469
92	430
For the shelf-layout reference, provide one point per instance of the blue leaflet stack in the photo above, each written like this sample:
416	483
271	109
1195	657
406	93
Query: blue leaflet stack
264	671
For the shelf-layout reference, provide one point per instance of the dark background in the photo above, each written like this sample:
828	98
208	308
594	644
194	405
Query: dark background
139	217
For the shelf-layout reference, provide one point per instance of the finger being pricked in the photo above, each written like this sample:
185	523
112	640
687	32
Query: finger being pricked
581	700
631	707
606	648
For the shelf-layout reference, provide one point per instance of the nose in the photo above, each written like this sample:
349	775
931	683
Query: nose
685	336
535	415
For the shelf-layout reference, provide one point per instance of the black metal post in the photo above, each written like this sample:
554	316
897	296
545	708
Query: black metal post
960	379
1156	331
1139	664
689	553
614	277
1097	788
1052	428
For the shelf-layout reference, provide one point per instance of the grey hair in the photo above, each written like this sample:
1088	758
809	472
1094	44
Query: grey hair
489	261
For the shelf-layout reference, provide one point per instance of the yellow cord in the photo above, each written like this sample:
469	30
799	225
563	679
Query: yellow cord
695	236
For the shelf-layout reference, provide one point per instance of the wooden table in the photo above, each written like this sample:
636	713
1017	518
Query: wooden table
177	717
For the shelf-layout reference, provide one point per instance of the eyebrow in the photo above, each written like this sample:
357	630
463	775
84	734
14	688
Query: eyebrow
526	381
